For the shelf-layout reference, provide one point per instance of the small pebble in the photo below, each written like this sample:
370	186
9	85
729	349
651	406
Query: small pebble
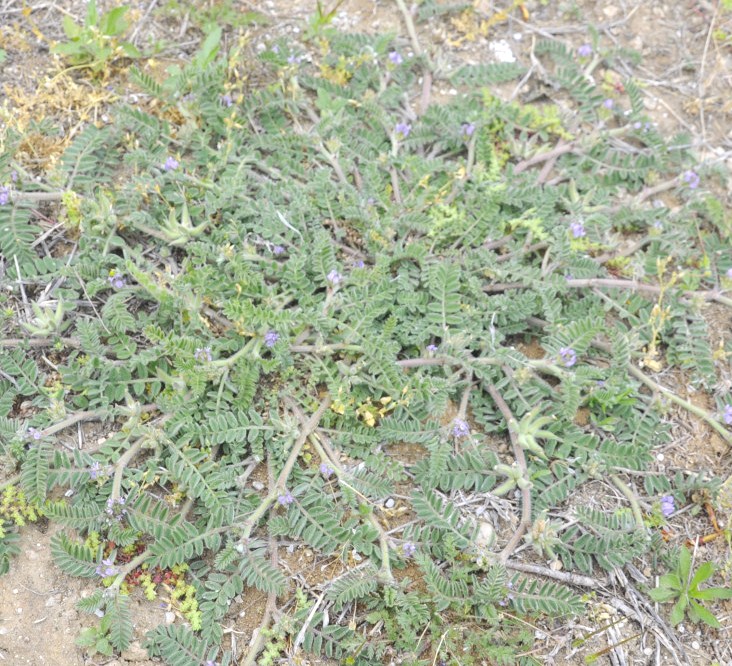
257	485
695	645
389	504
169	617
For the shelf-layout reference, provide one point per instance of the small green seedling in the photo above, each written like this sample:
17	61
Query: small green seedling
96	639
684	587
96	43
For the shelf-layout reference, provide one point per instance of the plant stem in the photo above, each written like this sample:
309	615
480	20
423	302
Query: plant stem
271	496
518	453
630	496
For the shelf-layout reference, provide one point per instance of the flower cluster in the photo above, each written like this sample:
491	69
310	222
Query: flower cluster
467	129
395	58
727	413
334	277
171	164
691	178
34	433
460	428
668	507
270	338
577	229
117	280
568	356
4	195
584	51
325	470
409	549
203	353
402	130
107	568
96	470
226	100
116	508
286	498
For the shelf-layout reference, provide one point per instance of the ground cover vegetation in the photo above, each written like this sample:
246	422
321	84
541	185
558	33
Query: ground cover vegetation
306	279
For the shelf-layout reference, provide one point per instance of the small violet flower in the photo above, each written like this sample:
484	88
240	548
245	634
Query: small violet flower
286	499
334	277
667	505
467	129
226	100
409	549
584	51
395	58
577	229
270	338
203	353
107	568
116	508
727	415
691	178
171	164
95	469
403	129
568	356
116	280
608	103
325	470
460	428
278	249
4	195
432	348
294	60
34	433
359	263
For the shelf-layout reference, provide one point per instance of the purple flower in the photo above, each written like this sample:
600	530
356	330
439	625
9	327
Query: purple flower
691	178
608	103
432	348
584	51
294	60
334	277
325	470
727	414
460	428
275	49
278	249
203	353
117	281
34	433
95	469
577	229
637	125
116	508
667	505
107	568
409	549
358	263
14	176
210	662
171	164
467	129
4	195
286	499
395	58
226	100
568	356
403	129
270	338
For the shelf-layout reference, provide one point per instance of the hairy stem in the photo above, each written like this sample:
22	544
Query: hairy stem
518	453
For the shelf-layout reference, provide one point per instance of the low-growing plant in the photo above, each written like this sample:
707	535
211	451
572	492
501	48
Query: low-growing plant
97	42
307	316
682	587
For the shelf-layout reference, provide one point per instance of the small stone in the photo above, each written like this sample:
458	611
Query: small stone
257	485
169	617
648	651
389	504
15	591
611	11
486	535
